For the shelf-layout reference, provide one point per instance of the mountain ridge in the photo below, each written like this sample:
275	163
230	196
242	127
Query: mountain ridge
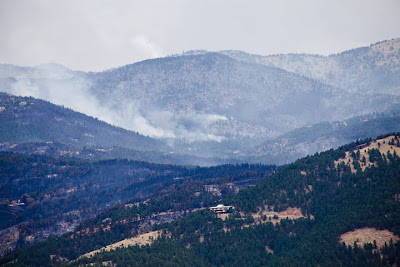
367	66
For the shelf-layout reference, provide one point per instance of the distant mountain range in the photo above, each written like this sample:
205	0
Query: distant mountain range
219	104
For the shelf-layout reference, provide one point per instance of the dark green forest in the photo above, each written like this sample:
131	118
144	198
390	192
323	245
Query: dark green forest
340	201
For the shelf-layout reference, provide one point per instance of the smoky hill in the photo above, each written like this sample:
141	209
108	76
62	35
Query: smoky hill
214	95
337	208
26	119
34	126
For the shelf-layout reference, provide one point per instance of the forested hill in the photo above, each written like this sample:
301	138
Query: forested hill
26	119
337	208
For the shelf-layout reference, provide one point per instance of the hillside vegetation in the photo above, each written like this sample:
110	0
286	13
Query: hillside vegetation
333	202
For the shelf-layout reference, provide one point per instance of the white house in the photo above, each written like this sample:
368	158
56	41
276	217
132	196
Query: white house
221	208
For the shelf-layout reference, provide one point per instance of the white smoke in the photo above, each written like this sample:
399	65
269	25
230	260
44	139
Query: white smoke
73	93
61	86
146	47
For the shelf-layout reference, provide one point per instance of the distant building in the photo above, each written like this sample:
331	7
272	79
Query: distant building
221	208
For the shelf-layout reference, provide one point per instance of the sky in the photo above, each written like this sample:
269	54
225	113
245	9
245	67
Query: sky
94	35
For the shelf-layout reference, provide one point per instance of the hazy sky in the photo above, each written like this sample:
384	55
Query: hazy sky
99	34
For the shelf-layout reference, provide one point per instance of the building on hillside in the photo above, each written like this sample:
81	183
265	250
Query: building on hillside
221	208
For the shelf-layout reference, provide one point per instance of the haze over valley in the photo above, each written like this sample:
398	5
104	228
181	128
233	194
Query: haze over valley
224	104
